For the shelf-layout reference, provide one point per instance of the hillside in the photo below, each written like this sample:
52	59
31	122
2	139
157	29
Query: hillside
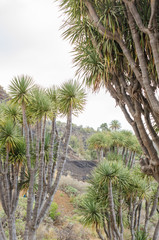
3	94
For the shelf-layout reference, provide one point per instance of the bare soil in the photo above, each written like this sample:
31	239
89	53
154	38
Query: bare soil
67	225
65	207
71	226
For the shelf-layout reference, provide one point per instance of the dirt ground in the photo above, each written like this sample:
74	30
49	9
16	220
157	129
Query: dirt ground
65	207
66	226
67	210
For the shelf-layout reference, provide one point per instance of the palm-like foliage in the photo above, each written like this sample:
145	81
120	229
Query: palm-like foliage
12	111
99	141
98	205
9	134
31	164
116	145
112	171
10	158
108	203
103	127
115	125
19	152
114	47
52	93
39	103
43	150
71	95
20	88
90	212
47	145
24	185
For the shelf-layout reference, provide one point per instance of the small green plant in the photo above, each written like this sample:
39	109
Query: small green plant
71	191
76	200
2	214
53	213
20	227
141	235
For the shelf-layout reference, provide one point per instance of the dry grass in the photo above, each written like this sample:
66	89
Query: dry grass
79	185
45	233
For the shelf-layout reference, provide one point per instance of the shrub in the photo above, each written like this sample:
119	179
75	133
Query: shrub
20	227
141	235
53	211
71	191
111	156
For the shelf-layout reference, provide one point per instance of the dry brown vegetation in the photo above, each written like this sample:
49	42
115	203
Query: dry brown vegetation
67	225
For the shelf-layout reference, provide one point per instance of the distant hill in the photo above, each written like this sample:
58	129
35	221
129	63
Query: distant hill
3	95
78	141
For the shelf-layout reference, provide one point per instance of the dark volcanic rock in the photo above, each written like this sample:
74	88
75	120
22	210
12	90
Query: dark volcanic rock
80	170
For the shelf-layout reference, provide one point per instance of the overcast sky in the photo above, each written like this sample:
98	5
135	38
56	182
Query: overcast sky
31	43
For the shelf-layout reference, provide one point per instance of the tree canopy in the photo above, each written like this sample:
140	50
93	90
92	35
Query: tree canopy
30	154
116	45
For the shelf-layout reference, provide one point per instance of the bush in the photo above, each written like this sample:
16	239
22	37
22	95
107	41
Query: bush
141	235
111	156
77	201
20	227
53	211
74	143
71	191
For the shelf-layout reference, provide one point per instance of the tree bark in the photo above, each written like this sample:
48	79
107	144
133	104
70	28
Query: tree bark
156	233
50	164
121	217
11	227
99	233
112	210
139	216
147	207
29	204
140	71
61	163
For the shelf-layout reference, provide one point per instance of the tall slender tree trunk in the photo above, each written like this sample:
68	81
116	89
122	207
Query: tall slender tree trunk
99	233
12	228
52	140
139	216
101	154
156	233
126	156
98	155
104	226
155	202
121	217
26	130
61	162
123	152
29	204
109	226
147	206
132	160
40	180
133	220
112	209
